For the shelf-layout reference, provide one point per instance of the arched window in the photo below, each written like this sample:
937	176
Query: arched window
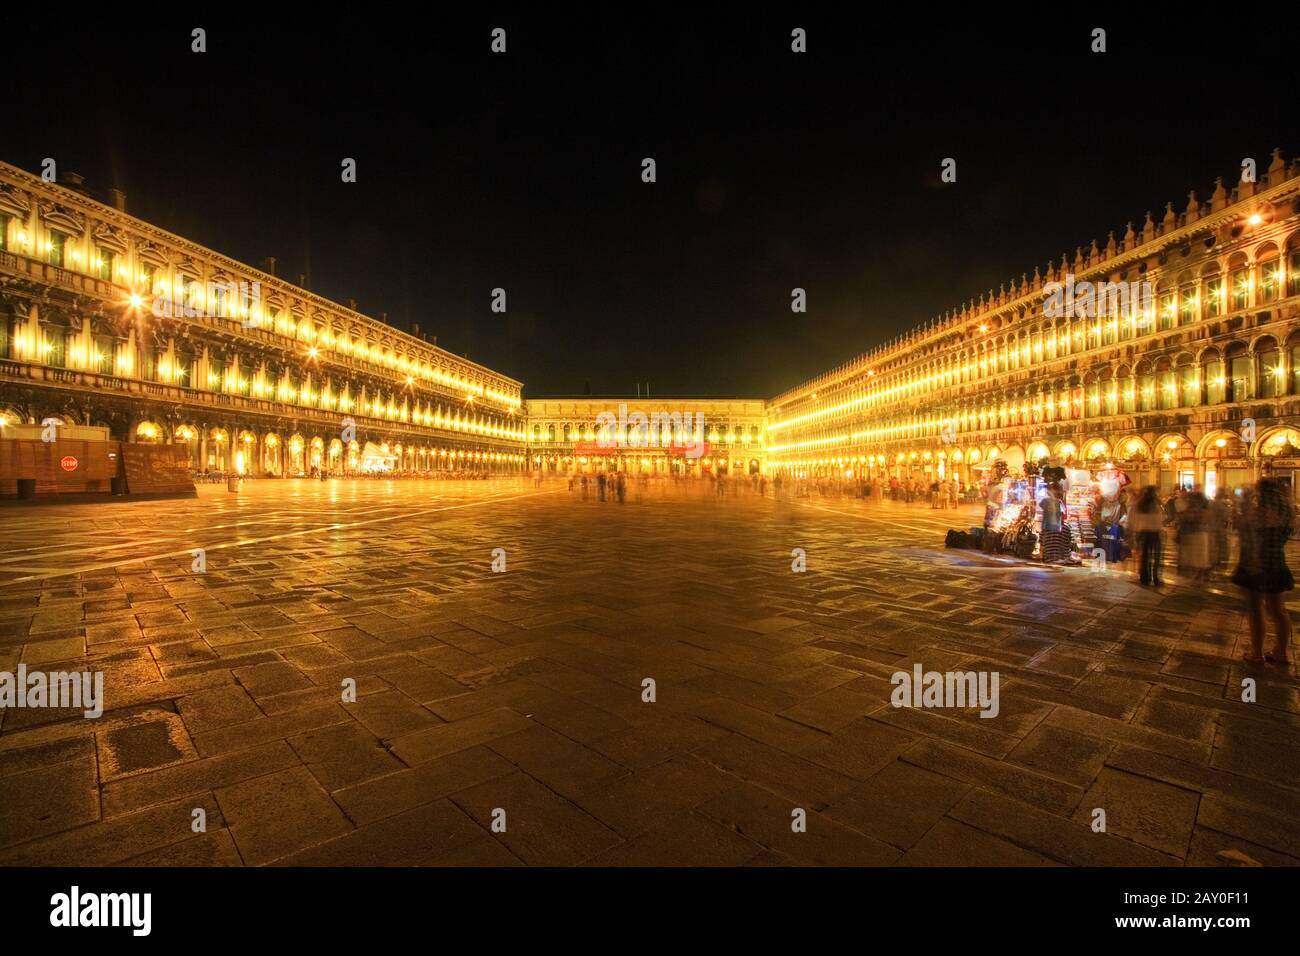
1146	389
1240	373
1241	283
1268	363
1188	303
1293	265
1125	388
1167	308
1293	356
1076	398
1215	291
1189	382
1166	385
1212	374
1268	261
1109	393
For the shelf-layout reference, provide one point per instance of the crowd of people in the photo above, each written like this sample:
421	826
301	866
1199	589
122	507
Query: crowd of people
619	486
600	486
217	476
1262	518
1133	524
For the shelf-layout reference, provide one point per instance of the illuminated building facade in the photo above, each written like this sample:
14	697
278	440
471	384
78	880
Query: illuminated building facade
682	436
1184	367
107	320
1173	350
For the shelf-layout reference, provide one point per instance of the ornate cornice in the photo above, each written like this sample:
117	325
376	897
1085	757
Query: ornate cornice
13	201
60	214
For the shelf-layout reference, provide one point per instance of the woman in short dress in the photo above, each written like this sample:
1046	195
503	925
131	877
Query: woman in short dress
1264	527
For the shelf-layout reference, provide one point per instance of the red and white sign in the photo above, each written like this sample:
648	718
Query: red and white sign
68	463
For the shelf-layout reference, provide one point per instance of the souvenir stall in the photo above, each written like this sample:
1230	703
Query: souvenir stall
1077	517
1012	521
1109	512
376	459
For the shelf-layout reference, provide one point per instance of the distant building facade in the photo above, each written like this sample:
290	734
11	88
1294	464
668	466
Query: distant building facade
672	436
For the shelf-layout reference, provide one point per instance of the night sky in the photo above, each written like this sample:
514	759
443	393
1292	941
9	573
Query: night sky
775	170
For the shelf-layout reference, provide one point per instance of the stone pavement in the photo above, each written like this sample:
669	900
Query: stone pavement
483	696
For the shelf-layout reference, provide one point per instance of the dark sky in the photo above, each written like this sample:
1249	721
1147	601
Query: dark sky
775	170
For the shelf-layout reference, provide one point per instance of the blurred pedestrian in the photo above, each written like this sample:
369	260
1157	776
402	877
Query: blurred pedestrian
1264	525
1145	523
1051	505
1219	516
1194	537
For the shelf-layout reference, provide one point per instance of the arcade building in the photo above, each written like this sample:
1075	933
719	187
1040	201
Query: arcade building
1193	380
106	320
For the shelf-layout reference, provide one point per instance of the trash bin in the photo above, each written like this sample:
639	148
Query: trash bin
117	486
26	489
232	484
